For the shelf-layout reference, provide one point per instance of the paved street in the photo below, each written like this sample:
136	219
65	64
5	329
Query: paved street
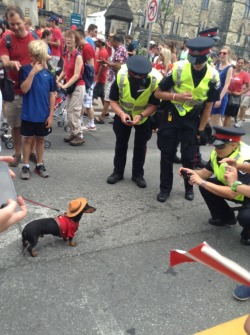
117	280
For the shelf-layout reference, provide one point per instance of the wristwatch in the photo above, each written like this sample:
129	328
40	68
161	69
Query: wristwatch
235	184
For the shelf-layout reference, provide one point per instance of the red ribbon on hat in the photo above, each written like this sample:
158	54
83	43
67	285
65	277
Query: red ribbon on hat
137	76
198	53
227	137
214	33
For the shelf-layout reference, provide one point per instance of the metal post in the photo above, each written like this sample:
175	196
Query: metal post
149	35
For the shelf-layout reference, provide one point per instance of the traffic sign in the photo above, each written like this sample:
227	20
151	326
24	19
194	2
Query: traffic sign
75	19
152	11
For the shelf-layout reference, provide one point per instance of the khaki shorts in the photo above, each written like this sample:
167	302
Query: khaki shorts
107	89
245	102
13	111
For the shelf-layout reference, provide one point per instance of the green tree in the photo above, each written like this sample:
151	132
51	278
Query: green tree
165	12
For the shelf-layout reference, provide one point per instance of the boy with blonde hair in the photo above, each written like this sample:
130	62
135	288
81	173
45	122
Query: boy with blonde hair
38	86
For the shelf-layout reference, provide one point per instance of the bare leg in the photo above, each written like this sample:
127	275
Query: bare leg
90	112
227	121
17	140
216	120
27	142
104	110
33	145
39	149
242	112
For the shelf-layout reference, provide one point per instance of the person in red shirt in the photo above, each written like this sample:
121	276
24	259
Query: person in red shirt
236	89
72	72
13	58
56	43
100	69
88	55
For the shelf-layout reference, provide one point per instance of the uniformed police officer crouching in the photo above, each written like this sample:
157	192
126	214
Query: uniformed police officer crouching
133	101
217	190
190	91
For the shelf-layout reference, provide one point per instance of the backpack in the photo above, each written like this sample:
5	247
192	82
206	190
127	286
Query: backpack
88	75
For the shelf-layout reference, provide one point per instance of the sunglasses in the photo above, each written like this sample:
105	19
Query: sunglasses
222	53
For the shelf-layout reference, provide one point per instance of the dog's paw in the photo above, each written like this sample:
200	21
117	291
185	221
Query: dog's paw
25	243
32	252
72	243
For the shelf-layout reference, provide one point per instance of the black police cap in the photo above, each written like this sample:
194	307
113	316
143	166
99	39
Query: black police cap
139	65
225	135
199	49
211	32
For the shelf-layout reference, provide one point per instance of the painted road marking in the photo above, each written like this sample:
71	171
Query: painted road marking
233	327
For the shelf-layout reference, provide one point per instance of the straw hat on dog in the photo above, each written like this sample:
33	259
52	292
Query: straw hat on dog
75	207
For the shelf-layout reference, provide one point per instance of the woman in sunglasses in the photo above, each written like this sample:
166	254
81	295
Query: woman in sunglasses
235	90
163	64
225	70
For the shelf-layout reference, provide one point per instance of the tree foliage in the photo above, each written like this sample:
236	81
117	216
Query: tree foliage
165	12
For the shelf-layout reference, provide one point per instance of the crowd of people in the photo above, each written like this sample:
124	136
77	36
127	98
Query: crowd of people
189	92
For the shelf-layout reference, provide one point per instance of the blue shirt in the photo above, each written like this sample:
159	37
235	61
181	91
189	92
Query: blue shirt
36	101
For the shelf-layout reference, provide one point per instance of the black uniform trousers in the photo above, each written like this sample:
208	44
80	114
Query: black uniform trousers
143	134
174	129
220	209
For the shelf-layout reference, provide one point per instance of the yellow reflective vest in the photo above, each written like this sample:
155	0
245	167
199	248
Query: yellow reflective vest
127	103
182	77
241	154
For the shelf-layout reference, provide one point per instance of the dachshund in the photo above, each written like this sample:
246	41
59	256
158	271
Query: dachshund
64	225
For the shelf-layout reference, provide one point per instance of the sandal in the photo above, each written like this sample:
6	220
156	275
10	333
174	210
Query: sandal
99	120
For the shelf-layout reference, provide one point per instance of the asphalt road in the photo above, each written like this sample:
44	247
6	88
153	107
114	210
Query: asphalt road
117	280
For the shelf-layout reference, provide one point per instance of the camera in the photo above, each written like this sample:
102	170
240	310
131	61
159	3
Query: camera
6	186
185	175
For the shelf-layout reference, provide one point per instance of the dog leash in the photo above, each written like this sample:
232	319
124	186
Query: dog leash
42	205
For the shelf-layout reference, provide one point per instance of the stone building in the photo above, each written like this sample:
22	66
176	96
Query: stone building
185	18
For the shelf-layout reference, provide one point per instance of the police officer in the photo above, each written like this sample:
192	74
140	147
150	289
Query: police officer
214	34
189	91
132	100
215	191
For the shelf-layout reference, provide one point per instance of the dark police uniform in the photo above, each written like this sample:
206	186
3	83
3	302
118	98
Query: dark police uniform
133	91
180	120
219	208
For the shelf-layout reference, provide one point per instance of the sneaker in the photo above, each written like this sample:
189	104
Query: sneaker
41	171
77	141
239	124
17	160
69	138
33	158
242	292
114	178
89	128
25	173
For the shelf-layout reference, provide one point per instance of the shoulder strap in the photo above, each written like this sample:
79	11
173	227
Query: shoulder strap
34	35
8	41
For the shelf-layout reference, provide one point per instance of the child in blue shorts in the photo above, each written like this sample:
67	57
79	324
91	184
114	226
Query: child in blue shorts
39	87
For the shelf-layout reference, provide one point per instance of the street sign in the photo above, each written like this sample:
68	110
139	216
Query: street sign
152	11
75	19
